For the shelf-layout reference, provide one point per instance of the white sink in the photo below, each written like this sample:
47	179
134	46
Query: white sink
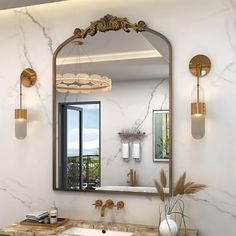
131	189
94	232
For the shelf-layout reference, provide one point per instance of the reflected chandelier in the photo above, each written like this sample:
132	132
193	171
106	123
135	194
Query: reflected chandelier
82	83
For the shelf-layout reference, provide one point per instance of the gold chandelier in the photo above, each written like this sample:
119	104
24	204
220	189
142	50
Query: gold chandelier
82	83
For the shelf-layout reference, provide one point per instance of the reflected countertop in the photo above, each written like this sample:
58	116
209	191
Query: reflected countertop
138	230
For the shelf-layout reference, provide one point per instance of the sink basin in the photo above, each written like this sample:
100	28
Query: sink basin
131	189
94	232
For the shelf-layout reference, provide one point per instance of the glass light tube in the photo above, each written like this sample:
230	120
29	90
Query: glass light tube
20	123
20	118
198	111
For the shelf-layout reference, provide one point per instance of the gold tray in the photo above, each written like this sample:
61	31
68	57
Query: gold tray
60	221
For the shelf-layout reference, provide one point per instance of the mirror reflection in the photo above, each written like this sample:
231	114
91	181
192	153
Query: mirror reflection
112	112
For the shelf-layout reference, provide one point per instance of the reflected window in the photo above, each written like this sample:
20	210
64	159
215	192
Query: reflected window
79	145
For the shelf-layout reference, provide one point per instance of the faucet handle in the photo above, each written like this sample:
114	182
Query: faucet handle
120	205
109	203
98	203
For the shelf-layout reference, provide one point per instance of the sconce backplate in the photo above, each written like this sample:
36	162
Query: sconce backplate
200	65
28	77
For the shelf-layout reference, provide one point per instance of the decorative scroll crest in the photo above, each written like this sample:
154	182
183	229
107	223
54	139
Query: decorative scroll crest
110	23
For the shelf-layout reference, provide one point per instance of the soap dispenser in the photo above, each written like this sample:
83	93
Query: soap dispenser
53	214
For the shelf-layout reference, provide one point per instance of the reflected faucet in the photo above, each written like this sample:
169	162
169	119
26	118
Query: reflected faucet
131	177
108	204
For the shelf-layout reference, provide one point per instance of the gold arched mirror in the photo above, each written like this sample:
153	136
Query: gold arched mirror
112	90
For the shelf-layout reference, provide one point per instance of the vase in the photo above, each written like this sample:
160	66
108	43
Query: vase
168	227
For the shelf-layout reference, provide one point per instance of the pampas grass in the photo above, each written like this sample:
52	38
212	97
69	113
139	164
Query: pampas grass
182	187
173	203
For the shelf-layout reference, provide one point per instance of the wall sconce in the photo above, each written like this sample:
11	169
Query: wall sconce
28	78
199	66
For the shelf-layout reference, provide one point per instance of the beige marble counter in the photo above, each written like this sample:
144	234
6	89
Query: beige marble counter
138	230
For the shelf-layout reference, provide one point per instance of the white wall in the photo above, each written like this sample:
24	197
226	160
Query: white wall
193	27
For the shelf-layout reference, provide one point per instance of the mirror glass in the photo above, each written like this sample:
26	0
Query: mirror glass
112	130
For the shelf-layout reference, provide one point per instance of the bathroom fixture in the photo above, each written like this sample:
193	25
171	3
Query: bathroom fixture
94	232
98	203
28	78
81	82
108	204
131	138
199	66
133	83
120	205
132	189
87	228
131	177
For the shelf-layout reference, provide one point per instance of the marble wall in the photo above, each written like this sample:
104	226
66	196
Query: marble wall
28	39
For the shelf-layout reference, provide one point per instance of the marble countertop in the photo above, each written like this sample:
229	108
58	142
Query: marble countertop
138	230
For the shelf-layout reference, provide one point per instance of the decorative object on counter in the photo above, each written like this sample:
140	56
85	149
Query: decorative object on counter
134	138
131	177
60	222
38	216
53	214
199	66
168	227
173	204
28	78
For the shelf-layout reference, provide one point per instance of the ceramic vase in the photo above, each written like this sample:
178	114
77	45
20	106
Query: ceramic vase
168	227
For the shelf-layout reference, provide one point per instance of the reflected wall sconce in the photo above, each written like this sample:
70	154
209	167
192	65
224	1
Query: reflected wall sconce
199	66
28	78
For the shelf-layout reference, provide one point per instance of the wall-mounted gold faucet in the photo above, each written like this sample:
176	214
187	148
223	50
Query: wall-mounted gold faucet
131	177
108	204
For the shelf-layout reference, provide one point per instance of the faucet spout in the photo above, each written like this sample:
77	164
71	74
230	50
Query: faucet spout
103	210
131	177
108	204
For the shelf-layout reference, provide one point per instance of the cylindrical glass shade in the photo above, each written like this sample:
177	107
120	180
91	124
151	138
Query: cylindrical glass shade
198	125
20	123
198	112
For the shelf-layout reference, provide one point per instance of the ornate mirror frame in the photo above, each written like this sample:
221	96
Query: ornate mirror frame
109	23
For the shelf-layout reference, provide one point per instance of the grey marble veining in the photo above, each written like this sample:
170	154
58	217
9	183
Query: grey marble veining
17	196
43	28
138	123
112	157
